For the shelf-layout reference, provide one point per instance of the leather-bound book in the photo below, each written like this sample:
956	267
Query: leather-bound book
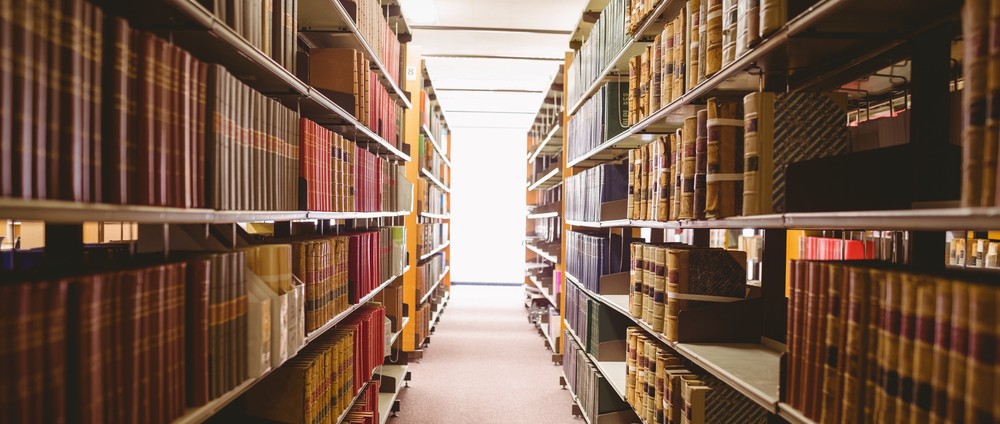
975	64
758	162
907	330
93	110
773	15
655	75
688	166
702	40
693	40
701	164
632	176
991	135
637	273
871	353
644	155
942	342
859	290
697	277
119	129
730	15
835	343
714	34
664	181
923	356
980	393
659	287
887	391
724	171
810	328
196	331
680	54
667	63
676	174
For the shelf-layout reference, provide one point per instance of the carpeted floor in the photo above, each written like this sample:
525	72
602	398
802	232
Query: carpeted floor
485	364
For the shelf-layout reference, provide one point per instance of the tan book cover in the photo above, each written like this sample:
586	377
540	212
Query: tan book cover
835	343
975	29
694	31
637	274
730	13
980	393
655	74
758	161
773	15
676	175
659	287
689	134
680	52
714	31
663	177
724	177
942	342
667	63
889	347
991	136
923	356
859	289
630	196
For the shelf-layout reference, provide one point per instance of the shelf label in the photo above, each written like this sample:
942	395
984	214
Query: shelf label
411	73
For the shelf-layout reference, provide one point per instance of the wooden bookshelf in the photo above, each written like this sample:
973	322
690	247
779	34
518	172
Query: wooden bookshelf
549	180
425	173
545	255
386	399
189	25
435	215
326	23
395	336
552	143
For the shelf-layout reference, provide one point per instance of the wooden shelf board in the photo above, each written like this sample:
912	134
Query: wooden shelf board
436	250
542	253
437	147
326	23
544	328
437	283
792	415
434	180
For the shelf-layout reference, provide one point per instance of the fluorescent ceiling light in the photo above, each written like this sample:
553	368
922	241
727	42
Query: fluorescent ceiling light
419	12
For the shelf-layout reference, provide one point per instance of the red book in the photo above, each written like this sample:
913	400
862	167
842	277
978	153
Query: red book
146	142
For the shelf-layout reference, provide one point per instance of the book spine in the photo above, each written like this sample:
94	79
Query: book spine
975	29
724	171
980	392
688	167
854	372
923	355
714	34
694	39
773	15
663	177
701	164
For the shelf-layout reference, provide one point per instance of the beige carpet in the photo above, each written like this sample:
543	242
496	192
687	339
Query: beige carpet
485	364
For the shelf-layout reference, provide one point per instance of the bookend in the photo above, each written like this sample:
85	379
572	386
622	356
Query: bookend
614	210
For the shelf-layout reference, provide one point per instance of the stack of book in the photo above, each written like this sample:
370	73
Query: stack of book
607	38
667	279
586	191
376	31
432	198
429	273
422	328
365	409
602	117
146	343
973	252
590	256
638	11
431	236
366	268
269	25
345	76
872	343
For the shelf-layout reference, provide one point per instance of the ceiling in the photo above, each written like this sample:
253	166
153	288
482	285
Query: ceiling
492	61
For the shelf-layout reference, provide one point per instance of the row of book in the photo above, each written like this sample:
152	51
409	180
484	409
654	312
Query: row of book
374	28
638	11
434	162
338	176
422	326
669	278
704	37
606	40
711	169
599	119
544	164
591	255
981	120
663	387
597	400
869	343
432	119
588	190
432	199
431	236
548	230
269	25
973	253
139	345
365	409
430	273
836	249
319	384
345	76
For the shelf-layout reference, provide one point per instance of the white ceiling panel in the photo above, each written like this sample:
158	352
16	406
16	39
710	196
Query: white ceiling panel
489	101
560	15
489	120
494	74
460	42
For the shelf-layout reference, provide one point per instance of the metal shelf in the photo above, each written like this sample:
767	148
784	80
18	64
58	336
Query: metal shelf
621	57
61	211
326	23
813	62
751	369
386	400
549	180
434	180
434	142
552	301
343	415
430	291
395	336
205	412
436	250
583	411
435	215
544	145
792	415
941	219
543	215
189	25
542	253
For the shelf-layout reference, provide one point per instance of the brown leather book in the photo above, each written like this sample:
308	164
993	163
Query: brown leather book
980	393
23	41
975	64
146	144
942	343
119	120
196	331
701	164
859	290
923	354
908	328
724	170
835	343
713	41
688	166
42	93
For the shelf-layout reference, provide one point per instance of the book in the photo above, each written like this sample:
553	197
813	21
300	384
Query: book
602	117
714	34
697	277
693	46
608	38
730	16
724	168
773	15
701	165
975	65
688	167
592	255
588	190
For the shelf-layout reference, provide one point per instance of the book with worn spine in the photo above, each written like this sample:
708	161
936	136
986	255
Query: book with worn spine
724	170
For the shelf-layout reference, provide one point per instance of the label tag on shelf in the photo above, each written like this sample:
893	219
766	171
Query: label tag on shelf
411	73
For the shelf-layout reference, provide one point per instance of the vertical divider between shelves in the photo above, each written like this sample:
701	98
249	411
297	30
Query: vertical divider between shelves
567	173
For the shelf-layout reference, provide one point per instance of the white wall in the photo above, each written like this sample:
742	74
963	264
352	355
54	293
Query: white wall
487	205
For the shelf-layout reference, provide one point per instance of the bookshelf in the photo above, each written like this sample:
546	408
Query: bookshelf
170	246
875	77
430	132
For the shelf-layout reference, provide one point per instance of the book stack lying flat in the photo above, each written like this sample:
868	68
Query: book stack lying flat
586	191
590	256
602	117
606	40
869	343
269	25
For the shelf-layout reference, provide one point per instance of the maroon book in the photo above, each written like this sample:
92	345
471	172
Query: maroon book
146	164
196	331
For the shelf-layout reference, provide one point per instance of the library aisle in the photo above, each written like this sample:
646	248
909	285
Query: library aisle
485	364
